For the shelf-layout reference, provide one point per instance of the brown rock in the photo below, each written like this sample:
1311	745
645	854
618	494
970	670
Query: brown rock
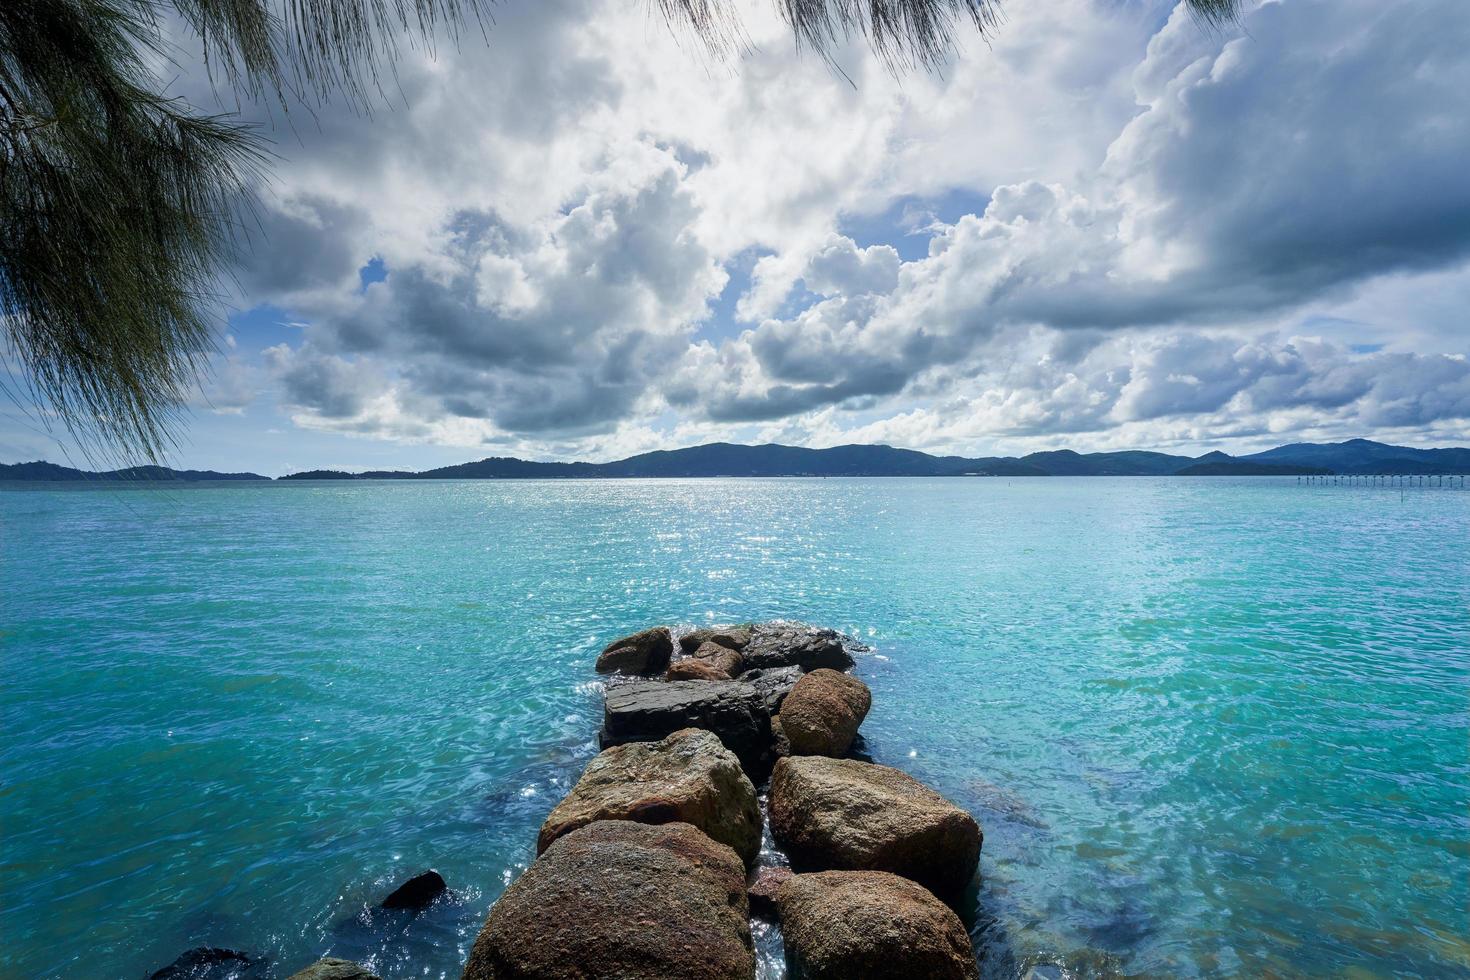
690	669
843	924
732	637
780	744
688	777
645	653
625	900
822	713
846	815
762	890
722	657
332	968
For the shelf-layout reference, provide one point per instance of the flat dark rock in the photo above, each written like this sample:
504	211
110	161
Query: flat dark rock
648	711
793	644
774	683
417	892
332	968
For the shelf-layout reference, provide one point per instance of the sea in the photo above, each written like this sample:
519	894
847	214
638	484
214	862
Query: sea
1210	726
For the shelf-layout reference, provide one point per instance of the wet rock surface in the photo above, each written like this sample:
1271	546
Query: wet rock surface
795	645
839	925
418	892
644	653
625	900
208	963
688	777
823	711
648	710
331	968
840	814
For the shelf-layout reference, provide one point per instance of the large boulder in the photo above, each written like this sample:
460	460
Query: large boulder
690	669
795	645
625	900
731	637
822	714
843	924
689	777
724	658
774	683
647	711
840	814
332	968
647	652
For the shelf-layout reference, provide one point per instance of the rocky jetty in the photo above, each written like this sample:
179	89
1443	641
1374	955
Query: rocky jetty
843	924
689	777
622	899
641	870
840	814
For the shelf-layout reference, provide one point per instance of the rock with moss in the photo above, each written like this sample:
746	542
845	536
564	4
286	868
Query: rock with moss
822	714
644	653
626	900
838	925
841	814
689	777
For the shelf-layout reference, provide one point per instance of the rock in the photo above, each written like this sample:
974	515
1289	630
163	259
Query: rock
847	815
689	777
792	644
642	653
690	669
625	900
870	924
780	744
762	890
331	968
203	962
733	637
722	657
774	683
417	892
646	711
822	714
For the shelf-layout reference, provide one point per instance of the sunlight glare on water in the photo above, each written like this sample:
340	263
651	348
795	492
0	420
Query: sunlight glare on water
1210	727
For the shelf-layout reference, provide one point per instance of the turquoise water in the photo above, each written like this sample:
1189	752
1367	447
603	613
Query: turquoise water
1210	727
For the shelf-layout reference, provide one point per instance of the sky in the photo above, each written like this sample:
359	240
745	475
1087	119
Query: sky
1105	226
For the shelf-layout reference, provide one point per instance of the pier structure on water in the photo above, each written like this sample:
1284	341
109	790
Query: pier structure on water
1455	481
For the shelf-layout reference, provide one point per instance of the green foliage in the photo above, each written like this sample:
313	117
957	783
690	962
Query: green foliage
118	204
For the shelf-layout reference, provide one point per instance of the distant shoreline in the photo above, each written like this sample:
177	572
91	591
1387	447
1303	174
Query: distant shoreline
1356	457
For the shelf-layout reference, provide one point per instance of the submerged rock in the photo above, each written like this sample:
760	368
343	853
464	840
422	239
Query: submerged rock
695	670
774	683
689	777
206	963
843	924
731	637
764	885
848	815
647	652
724	658
822	714
331	968
625	900
647	711
417	892
795	645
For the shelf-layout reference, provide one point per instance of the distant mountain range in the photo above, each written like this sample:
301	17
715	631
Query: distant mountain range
1356	456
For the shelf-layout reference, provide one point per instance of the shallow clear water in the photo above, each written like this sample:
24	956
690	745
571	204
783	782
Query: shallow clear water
1209	726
